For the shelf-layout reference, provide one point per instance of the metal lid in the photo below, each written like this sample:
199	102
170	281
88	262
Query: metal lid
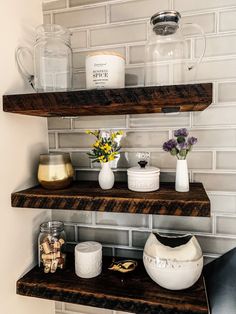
143	171
165	22
52	226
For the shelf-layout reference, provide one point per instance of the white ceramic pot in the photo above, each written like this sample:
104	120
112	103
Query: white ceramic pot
106	178
88	259
182	178
174	263
143	179
104	70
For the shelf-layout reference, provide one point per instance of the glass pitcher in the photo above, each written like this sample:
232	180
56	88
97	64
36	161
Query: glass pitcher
168	52
52	59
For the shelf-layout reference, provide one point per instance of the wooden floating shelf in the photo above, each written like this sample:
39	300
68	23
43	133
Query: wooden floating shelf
89	196
133	292
156	99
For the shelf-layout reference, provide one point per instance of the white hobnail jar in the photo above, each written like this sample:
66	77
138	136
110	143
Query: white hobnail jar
143	179
106	178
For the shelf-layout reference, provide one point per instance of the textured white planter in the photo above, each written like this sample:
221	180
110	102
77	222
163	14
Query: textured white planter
106	177
88	259
173	266
182	179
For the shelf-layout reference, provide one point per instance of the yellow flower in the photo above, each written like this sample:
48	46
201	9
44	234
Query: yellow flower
88	132
96	144
120	132
111	157
106	148
102	158
115	134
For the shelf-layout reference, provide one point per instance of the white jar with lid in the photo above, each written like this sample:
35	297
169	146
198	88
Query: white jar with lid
105	70
143	179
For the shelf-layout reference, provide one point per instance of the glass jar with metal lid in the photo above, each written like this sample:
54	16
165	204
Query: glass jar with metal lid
168	58
55	171
51	246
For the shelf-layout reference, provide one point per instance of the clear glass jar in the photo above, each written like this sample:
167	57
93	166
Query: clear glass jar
51	246
168	57
55	171
52	59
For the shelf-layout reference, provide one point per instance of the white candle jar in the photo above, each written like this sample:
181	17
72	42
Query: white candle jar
105	70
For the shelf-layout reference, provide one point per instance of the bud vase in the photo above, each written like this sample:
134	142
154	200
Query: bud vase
106	176
182	179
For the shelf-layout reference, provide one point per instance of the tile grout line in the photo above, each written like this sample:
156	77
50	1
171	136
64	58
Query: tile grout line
108	14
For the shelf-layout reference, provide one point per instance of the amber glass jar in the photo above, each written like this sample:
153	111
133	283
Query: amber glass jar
51	246
55	171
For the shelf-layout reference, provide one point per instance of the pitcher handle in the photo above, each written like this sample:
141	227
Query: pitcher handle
23	70
200	29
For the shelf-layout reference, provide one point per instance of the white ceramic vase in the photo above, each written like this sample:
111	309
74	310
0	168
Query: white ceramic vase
106	176
182	179
174	263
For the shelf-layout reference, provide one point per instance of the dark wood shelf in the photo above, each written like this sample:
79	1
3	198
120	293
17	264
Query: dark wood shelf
193	97
89	196
133	292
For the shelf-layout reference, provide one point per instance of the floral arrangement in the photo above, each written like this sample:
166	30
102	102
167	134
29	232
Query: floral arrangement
106	147
182	145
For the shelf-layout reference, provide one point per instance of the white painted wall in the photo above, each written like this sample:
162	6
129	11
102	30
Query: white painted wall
21	140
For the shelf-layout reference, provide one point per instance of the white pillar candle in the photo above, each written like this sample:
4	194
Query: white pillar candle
104	70
88	259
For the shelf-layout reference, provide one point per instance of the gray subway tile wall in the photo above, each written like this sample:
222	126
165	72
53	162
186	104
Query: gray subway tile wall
122	25
118	34
192	5
124	11
79	39
226	92
83	17
54	5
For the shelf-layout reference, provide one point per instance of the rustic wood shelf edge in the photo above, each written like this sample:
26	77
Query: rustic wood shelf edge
134	292
89	196
138	100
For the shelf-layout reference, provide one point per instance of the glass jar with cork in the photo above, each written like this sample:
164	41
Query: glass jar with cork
51	246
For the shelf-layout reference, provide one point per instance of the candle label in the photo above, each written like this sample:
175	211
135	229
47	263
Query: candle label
105	71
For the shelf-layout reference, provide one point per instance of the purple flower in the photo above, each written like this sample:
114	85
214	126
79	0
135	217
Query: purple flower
192	140
169	145
181	132
183	145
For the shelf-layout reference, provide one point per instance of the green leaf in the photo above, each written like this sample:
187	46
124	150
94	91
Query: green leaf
183	153
180	139
173	152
